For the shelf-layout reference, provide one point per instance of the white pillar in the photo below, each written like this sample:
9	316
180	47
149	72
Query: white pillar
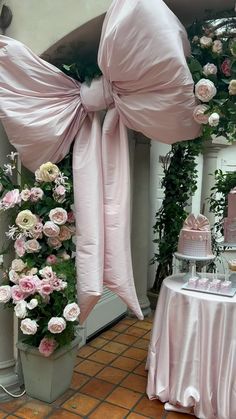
8	376
210	165
140	219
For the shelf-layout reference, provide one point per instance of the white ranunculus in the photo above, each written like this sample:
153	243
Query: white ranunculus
26	220
5	293
21	309
32	304
71	312
209	69
205	90
56	325
214	119
47	172
28	326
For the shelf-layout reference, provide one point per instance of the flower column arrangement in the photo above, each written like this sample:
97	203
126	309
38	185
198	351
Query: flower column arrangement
213	67
40	283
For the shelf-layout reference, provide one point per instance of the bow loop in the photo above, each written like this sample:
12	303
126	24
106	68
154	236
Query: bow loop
197	223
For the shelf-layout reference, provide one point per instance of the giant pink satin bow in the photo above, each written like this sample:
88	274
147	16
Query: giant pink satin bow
197	223
146	86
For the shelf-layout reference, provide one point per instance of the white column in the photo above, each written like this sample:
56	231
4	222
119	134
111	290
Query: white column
8	376
140	219
210	165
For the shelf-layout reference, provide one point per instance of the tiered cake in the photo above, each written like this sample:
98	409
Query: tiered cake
195	237
230	221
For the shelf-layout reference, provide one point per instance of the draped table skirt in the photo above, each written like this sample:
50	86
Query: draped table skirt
192	353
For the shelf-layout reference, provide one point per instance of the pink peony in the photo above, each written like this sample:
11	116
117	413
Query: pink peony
17	294
226	67
51	259
32	246
50	229
56	325
47	346
71	312
19	247
199	114
58	216
11	199
28	326
5	293
205	90
45	288
27	284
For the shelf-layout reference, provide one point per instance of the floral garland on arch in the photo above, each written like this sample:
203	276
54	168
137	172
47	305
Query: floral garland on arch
213	67
40	283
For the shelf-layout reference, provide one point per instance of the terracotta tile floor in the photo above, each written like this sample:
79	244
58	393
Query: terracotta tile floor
109	381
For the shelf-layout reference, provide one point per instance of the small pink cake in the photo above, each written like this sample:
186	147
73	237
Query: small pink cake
225	285
215	284
195	237
230	220
203	283
193	281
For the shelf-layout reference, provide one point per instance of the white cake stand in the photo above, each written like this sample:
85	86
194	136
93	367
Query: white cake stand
192	263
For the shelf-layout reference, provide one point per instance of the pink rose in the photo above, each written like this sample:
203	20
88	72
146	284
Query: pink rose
47	346
19	247
54	242
71	312
50	229
205	90
36	231
5	293
58	284
44	288
51	259
28	327
59	193
70	217
17	294
199	114
27	285
205	41
209	69
32	246
65	233
36	194
226	67
58	216
11	199
217	46
56	325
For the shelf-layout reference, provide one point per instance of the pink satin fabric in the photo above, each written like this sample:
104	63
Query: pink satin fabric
146	86
192	354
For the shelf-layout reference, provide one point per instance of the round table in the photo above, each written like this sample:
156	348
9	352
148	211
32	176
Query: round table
192	353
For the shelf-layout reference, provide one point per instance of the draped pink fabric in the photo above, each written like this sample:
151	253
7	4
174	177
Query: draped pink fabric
146	86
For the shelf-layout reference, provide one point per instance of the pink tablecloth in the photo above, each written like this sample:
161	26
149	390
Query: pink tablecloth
192	354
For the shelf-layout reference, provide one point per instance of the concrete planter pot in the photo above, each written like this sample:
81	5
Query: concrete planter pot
45	378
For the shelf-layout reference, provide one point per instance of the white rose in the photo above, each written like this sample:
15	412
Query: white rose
32	246
232	87
36	194
5	293
205	90
199	114
32	304
214	119
209	69
217	46
58	216
205	41
50	229
71	312
18	265
25	194
13	276
29	327
20	309
47	172
56	325
26	220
